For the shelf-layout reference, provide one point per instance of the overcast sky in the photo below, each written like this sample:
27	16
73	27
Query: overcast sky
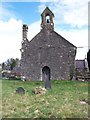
71	22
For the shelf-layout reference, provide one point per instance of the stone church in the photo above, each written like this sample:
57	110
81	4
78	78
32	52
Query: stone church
48	55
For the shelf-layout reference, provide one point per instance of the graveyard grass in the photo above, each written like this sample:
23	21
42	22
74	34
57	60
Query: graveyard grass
62	101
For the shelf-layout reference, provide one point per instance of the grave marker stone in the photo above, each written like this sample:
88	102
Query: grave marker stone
20	90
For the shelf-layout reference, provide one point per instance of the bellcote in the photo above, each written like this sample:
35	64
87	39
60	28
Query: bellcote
47	19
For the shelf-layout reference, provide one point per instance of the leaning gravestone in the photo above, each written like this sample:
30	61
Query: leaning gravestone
20	90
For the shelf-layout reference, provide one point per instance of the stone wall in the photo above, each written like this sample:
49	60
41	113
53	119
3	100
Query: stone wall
48	49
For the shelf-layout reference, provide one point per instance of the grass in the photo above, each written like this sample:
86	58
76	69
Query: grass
61	101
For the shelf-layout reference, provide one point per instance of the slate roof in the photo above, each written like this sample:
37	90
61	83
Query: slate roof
80	64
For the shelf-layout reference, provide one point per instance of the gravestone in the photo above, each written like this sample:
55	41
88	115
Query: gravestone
20	90
47	84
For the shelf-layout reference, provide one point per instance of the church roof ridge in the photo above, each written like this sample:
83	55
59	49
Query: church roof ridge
47	9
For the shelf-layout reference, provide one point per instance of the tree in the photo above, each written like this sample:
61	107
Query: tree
88	59
3	66
10	64
13	64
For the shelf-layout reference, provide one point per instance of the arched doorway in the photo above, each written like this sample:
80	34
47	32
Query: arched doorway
46	76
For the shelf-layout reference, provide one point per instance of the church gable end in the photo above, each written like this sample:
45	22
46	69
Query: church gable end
49	49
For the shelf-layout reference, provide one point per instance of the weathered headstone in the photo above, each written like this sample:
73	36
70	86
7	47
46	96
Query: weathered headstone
20	90
47	84
47	81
